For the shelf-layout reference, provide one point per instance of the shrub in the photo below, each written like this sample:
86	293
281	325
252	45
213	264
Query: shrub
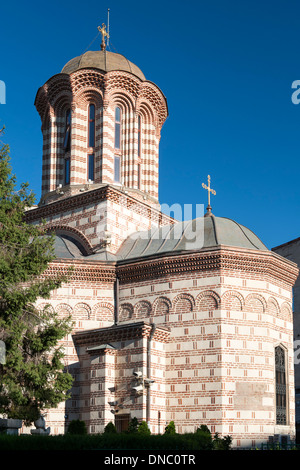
170	428
143	428
77	427
109	441
203	428
110	428
220	443
133	426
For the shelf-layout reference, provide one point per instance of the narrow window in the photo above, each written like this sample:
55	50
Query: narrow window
139	135
92	125
117	128
139	176
67	137
91	167
67	171
281	391
117	169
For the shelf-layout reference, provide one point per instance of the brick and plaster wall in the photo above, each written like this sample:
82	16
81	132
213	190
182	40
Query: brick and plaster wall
213	328
92	214
88	298
224	327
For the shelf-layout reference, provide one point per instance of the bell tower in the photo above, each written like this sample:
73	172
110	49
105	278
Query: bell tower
101	125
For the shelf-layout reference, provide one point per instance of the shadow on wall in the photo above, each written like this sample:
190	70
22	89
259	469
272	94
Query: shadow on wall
72	404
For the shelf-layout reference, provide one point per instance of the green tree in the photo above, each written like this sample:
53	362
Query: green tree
32	378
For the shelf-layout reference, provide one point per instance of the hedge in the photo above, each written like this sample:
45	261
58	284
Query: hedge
108	441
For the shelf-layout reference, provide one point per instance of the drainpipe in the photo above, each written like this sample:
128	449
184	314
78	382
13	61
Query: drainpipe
149	373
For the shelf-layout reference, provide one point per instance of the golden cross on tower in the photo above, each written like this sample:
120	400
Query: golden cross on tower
209	190
105	34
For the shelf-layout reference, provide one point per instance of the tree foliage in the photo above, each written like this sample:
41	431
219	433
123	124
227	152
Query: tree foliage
32	378
133	425
77	427
110	428
143	428
170	428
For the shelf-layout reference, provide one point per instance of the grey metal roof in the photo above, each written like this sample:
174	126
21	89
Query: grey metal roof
103	60
194	235
67	247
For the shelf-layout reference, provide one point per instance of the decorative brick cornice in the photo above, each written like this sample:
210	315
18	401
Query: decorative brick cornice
222	259
119	333
94	196
87	271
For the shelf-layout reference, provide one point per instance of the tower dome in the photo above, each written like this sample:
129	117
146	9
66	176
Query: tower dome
105	61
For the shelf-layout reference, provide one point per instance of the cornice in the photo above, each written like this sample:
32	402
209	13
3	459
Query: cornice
93	196
121	332
82	270
224	260
221	258
103	82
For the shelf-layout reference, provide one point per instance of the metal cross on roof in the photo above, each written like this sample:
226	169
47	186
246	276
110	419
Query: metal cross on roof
209	190
105	34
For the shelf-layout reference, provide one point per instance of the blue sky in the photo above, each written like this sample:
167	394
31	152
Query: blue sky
226	68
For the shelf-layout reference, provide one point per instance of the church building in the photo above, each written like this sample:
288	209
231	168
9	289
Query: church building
184	321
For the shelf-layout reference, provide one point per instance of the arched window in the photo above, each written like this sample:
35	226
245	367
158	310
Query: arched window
117	128
139	139
91	125
67	146
91	142
139	135
281	389
67	137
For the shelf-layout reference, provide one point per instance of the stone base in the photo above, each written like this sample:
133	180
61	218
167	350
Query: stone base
10	426
40	432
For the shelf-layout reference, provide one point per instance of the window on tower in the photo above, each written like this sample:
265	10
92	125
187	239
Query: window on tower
139	176
67	137
117	169
91	167
67	170
139	135
117	128
139	149
91	125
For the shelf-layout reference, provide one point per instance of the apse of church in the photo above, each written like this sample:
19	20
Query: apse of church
165	330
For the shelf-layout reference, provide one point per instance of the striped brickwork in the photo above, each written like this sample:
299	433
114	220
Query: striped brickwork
218	317
106	91
91	213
